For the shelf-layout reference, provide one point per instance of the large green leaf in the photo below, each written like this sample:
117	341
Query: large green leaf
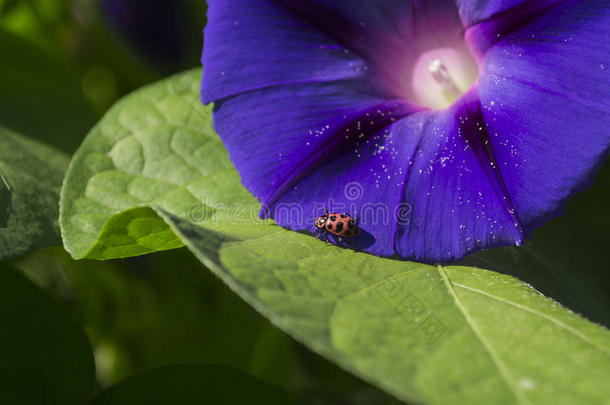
424	333
191	385
46	358
30	178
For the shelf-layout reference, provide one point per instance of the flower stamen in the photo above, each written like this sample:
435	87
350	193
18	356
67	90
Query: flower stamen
440	76
443	78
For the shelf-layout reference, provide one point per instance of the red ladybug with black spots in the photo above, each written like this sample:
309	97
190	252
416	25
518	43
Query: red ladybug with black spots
341	225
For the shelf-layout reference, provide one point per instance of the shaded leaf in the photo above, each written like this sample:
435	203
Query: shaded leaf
192	384
427	334
46	358
194	318
30	178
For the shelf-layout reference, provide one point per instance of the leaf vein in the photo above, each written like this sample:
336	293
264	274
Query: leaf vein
495	358
549	318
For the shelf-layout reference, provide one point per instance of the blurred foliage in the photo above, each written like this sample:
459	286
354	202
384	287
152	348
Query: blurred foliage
102	51
39	96
46	358
183	384
165	309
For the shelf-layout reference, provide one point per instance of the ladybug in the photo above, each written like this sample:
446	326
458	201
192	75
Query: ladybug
341	225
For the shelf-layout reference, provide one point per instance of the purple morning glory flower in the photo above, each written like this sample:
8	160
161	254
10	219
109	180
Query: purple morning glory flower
446	126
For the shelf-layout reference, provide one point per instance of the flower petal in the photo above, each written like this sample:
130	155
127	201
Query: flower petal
253	44
476	11
278	135
424	189
545	91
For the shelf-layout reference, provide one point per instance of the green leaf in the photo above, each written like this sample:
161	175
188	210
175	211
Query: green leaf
431	334
427	334
39	96
30	178
154	148
46	358
192	384
134	232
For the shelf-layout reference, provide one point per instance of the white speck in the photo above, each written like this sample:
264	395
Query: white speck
527	384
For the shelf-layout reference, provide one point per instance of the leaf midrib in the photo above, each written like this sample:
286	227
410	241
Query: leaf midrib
549	318
495	358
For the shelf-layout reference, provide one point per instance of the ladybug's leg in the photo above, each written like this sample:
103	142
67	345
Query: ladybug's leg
325	234
319	234
342	242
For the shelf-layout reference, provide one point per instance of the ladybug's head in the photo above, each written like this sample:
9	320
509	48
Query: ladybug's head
321	221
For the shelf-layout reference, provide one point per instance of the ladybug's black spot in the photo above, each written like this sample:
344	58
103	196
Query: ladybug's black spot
339	227
343	216
333	218
329	226
351	223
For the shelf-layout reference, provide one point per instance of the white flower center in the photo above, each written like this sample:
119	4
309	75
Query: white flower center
440	76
